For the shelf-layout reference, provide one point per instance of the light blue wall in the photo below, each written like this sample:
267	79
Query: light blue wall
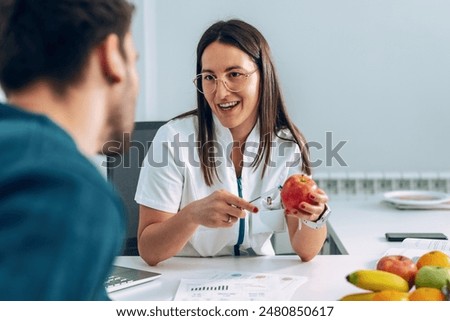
374	73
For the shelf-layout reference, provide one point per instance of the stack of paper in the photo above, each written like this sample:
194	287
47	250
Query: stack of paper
414	248
238	286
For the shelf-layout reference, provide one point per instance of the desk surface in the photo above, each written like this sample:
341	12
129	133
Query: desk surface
326	274
360	226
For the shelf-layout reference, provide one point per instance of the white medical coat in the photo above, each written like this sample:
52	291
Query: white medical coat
171	178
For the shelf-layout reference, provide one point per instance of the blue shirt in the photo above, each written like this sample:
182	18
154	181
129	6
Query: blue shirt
61	224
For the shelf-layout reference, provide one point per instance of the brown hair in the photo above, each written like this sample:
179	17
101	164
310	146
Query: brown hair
52	39
272	111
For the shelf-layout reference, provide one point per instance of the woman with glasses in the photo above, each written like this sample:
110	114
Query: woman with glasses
209	185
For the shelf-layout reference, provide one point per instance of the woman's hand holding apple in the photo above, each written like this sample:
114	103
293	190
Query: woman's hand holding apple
302	198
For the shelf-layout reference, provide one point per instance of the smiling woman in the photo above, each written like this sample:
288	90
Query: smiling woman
236	109
239	105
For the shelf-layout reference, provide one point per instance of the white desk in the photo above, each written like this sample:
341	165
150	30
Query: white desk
326	274
360	226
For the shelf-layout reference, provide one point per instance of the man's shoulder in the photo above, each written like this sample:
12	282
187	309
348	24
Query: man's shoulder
68	178
25	134
37	146
34	149
65	191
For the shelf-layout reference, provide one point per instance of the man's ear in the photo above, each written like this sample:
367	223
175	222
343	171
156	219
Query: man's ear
111	59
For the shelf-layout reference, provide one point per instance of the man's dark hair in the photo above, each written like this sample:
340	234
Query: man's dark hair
52	39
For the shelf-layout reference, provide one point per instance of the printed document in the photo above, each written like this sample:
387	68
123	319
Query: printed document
238	286
414	248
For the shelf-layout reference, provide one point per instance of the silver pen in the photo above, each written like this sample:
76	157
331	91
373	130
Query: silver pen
269	192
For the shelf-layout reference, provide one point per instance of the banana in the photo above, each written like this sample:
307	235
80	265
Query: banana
376	280
366	296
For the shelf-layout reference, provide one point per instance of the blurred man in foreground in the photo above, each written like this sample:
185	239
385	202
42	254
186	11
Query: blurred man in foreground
68	69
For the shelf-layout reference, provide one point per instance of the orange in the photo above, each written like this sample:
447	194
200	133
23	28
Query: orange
434	258
427	294
390	295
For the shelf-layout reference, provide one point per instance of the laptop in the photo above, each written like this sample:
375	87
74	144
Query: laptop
124	277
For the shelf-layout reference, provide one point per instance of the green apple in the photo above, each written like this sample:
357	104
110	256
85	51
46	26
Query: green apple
432	277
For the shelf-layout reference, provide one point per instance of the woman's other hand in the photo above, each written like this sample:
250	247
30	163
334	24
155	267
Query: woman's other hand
219	209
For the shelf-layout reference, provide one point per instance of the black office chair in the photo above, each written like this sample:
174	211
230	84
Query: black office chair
123	172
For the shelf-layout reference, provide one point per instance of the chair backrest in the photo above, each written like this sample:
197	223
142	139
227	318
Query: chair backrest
123	172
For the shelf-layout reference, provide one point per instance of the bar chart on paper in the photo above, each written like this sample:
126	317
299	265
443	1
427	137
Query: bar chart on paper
209	288
232	286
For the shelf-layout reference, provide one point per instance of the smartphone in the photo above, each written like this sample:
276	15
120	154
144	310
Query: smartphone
398	237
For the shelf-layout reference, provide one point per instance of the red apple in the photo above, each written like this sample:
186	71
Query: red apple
400	265
296	190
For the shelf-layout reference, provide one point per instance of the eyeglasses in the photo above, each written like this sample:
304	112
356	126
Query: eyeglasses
234	81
